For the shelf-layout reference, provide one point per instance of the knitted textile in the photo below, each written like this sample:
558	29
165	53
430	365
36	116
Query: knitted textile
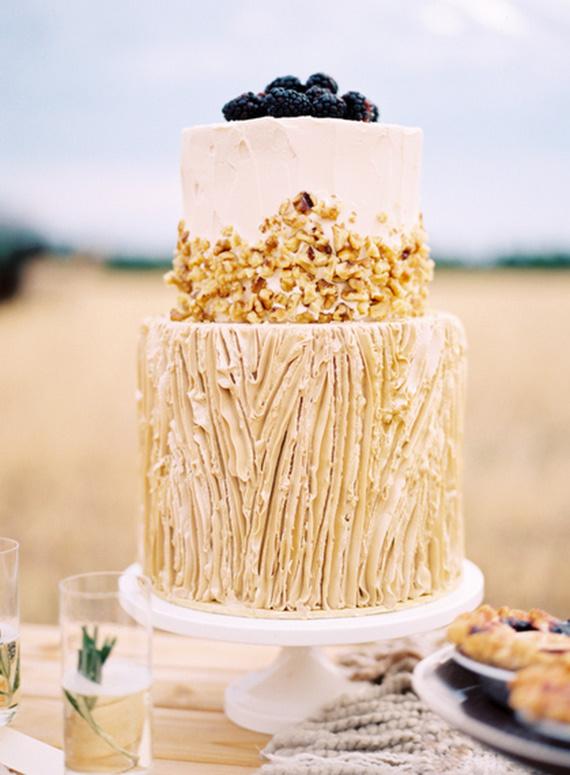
381	729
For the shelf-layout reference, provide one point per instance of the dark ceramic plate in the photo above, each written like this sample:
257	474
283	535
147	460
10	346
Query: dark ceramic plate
455	694
493	680
556	729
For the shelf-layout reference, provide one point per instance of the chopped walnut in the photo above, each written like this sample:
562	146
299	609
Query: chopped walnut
302	270
303	202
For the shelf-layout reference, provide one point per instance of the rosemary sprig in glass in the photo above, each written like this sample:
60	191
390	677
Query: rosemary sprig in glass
9	671
90	661
90	658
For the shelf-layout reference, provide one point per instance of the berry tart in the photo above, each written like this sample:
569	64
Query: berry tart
509	638
540	696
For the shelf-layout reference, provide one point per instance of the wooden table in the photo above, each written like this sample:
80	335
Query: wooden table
191	733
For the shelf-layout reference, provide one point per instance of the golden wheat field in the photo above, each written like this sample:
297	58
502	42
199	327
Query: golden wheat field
69	484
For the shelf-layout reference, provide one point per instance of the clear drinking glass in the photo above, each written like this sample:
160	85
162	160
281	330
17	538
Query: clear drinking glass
9	630
106	673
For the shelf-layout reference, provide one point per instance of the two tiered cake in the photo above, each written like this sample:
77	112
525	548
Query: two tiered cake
300	412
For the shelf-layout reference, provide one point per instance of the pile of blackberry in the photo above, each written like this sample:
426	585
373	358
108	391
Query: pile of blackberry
287	96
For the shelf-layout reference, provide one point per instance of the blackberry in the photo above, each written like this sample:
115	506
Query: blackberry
286	102
325	104
285	82
247	105
323	80
518	625
359	108
562	628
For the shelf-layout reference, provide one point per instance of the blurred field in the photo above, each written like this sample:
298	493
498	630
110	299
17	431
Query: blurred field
68	447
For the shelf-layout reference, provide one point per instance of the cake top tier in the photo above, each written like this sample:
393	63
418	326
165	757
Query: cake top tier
300	220
238	173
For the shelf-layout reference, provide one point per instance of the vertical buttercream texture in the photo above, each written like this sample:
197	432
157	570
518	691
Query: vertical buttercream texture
303	468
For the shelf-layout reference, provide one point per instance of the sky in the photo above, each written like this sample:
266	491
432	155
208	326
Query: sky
94	96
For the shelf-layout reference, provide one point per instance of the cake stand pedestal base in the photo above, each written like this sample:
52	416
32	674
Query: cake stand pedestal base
301	678
293	687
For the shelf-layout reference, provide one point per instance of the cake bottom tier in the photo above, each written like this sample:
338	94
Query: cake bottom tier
302	470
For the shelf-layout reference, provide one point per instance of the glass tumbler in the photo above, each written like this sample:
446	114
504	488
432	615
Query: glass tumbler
106	673
9	630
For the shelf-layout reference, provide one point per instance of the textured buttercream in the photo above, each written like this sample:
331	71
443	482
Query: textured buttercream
302	468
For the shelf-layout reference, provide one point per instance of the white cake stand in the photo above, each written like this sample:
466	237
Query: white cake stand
301	678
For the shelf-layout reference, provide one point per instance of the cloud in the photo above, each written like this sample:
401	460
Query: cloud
501	16
441	18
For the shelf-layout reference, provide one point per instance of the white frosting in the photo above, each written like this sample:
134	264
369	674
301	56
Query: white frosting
236	173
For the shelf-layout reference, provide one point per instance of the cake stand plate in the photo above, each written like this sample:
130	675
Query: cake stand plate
301	679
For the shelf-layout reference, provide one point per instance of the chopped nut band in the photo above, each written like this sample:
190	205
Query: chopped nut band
307	267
